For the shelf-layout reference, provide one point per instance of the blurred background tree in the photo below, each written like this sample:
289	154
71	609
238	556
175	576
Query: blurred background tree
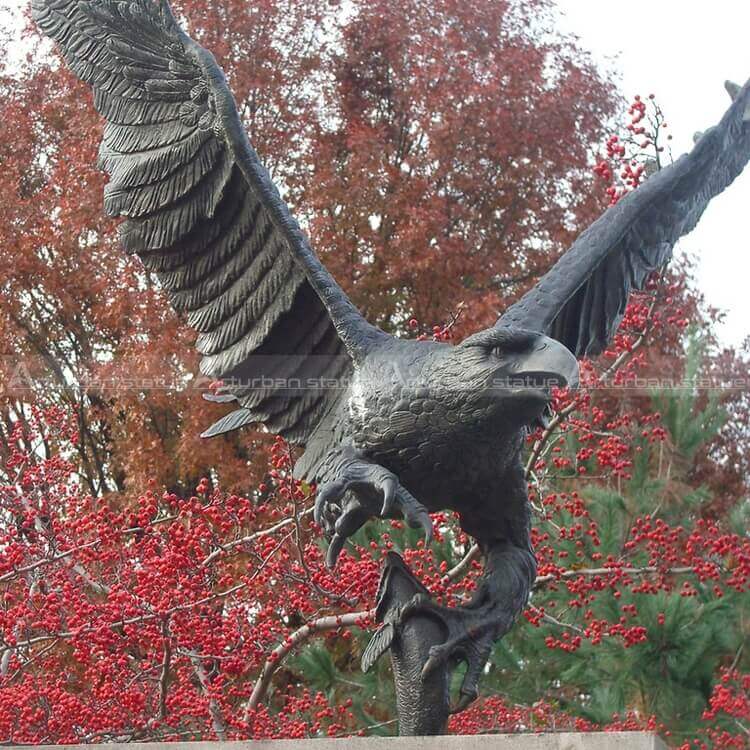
439	153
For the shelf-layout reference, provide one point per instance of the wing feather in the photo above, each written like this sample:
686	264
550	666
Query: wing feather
203	215
582	299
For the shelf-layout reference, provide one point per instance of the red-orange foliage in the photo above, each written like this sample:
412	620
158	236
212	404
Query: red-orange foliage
169	618
440	152
418	139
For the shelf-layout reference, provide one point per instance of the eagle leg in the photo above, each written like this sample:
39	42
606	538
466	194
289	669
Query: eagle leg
473	629
362	489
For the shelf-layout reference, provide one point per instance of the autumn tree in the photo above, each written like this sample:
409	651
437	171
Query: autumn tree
442	124
155	587
214	616
417	139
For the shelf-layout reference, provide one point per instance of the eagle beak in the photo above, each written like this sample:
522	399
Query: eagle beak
548	365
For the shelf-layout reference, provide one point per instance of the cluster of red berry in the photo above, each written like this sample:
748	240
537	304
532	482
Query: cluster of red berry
629	159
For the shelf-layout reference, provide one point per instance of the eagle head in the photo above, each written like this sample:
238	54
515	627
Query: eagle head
518	369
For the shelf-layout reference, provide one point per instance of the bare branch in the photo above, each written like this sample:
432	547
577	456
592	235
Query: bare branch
459	570
217	720
592	572
164	676
277	656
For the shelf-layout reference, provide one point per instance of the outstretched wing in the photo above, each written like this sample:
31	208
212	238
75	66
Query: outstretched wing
581	300
203	215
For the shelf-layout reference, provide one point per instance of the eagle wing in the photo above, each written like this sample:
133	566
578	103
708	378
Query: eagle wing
203	214
581	300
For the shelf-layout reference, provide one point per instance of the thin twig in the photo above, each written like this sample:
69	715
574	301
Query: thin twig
250	538
217	720
299	636
166	661
460	569
592	572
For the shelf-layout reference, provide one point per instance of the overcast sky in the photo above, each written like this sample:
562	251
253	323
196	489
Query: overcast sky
682	51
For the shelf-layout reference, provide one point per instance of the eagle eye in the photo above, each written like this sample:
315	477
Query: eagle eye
517	344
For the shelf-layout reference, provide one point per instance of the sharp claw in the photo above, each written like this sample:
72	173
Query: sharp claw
389	496
346	524
436	659
419	518
334	550
415	513
342	519
464	701
463	643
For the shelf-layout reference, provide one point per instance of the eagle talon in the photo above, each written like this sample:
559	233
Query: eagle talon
343	506
470	635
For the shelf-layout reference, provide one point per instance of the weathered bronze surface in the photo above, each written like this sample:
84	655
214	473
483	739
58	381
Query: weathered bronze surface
390	428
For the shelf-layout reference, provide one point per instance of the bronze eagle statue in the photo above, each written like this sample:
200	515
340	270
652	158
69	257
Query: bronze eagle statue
389	427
